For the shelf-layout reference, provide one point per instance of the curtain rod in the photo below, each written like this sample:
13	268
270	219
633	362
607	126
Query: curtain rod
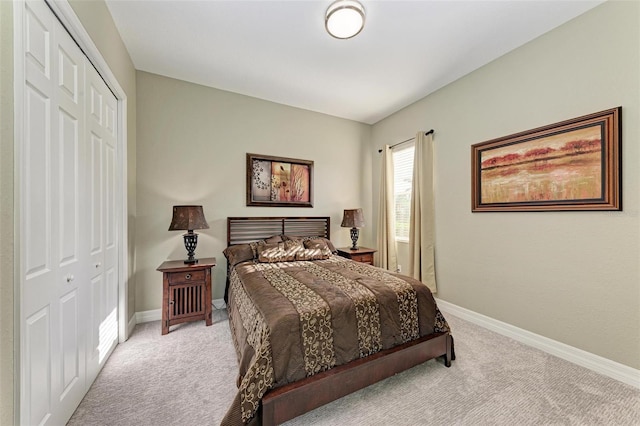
410	139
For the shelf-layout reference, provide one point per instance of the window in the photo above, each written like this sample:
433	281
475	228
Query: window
402	179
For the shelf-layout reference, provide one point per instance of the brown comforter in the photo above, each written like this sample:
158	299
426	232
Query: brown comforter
291	320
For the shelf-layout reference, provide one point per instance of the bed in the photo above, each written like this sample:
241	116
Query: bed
310	327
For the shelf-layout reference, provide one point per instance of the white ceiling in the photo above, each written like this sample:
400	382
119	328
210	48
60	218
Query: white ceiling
280	51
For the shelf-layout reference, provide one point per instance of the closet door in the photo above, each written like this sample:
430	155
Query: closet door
102	160
68	220
54	256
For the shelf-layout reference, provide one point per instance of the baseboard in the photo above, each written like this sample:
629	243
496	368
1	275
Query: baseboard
604	366
148	316
156	314
132	324
219	304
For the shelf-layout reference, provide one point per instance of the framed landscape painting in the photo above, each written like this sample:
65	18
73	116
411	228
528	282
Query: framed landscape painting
567	166
279	181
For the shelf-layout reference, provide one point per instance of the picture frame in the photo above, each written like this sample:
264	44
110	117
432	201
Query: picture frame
279	181
572	165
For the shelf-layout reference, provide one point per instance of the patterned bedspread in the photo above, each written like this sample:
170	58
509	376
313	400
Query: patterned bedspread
291	320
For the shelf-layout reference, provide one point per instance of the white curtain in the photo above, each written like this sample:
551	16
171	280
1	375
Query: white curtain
386	244
422	223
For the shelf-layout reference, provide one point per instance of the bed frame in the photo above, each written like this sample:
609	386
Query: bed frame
291	400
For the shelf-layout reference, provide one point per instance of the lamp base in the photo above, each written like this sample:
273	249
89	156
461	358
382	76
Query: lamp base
354	238
190	243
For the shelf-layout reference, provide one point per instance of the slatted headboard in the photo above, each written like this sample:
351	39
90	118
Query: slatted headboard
243	230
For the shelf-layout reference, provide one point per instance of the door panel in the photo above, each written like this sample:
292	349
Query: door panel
37	398
38	38
70	356
97	295
96	194
69	190
101	131
110	201
36	194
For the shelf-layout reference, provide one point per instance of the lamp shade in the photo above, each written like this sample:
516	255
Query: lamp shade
188	218
344	18
353	218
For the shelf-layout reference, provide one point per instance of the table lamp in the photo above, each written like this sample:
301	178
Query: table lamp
354	219
188	218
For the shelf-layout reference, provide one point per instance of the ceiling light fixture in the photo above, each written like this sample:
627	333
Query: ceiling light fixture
344	19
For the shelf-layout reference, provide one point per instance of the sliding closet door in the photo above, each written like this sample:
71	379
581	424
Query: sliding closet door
103	236
54	255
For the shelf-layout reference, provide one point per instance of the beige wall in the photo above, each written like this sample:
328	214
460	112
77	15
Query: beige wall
192	142
97	21
6	213
572	277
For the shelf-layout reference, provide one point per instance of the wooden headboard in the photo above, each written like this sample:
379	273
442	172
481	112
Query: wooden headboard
243	230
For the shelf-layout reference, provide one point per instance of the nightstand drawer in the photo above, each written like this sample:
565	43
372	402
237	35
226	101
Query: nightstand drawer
362	254
185	277
363	258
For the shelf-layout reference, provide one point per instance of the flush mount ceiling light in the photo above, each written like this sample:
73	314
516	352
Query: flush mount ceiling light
344	18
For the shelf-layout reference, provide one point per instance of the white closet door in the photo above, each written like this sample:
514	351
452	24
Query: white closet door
102	147
68	221
54	259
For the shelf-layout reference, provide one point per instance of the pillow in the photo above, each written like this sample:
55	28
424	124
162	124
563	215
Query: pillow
330	245
274	239
271	240
238	253
291	250
292	247
315	249
276	252
304	239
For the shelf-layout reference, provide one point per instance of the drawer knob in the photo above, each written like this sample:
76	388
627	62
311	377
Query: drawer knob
188	276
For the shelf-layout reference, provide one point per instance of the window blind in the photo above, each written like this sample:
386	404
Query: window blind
402	178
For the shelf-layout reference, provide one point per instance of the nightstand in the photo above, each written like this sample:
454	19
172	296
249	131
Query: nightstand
186	291
362	255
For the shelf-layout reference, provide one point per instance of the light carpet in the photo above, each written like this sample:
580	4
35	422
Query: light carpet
188	378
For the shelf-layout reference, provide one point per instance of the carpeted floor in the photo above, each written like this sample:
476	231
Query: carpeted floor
188	378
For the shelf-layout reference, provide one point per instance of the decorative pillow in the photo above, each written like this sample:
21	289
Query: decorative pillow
311	254
292	247
289	251
272	252
254	249
271	240
274	239
304	239
277	252
238	253
329	244
315	249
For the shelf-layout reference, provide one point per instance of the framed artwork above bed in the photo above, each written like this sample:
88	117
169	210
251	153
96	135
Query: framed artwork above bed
279	181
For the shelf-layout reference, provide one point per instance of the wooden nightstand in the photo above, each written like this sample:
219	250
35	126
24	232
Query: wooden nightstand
363	254
186	291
